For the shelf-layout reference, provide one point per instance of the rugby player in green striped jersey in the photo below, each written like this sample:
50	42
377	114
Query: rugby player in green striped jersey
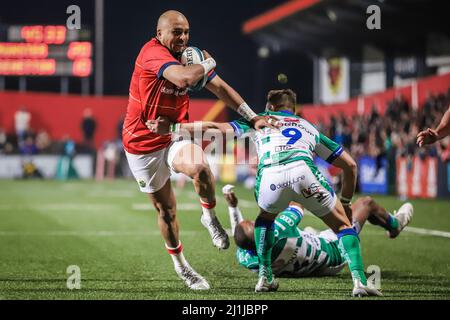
286	172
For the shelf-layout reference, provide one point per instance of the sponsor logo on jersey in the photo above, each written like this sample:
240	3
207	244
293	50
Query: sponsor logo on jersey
311	190
284	148
177	92
291	120
141	183
314	190
288	220
286	184
298	125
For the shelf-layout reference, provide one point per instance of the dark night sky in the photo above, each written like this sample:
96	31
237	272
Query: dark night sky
215	26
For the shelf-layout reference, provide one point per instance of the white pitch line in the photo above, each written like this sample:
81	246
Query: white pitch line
111	194
65	233
428	232
180	206
248	204
61	233
61	207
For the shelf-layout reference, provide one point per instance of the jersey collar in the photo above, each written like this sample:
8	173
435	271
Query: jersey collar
282	113
287	112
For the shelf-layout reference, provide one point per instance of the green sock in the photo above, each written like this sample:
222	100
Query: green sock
392	222
264	239
350	249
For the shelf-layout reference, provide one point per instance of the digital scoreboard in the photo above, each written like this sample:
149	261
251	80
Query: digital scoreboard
45	50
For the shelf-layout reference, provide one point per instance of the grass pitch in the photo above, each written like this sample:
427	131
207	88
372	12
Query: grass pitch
109	230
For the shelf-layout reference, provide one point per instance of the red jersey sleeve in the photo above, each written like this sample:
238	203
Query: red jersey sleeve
156	59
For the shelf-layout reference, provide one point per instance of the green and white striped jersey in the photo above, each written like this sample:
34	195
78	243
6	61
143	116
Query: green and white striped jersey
297	253
296	139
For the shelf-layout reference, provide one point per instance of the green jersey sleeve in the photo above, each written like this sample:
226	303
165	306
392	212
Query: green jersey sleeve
286	223
241	126
327	149
247	258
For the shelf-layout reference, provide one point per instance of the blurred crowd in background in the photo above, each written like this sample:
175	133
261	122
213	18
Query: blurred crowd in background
392	134
26	140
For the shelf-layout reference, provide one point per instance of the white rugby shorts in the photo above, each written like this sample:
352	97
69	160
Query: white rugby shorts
297	181
152	170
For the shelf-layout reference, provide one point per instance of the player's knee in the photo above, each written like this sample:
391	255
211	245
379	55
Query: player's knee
368	201
168	215
165	210
201	172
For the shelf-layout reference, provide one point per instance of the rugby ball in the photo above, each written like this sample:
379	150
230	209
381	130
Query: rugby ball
190	56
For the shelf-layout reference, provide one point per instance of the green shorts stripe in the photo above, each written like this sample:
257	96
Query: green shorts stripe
319	176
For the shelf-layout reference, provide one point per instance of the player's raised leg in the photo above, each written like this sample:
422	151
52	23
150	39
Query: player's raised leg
316	195
349	245
165	204
190	160
367	209
233	209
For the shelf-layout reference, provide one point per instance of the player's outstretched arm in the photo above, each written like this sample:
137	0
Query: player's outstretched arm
227	94
430	136
162	125
350	169
223	127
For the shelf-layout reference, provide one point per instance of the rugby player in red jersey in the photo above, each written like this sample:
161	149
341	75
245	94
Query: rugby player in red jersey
159	87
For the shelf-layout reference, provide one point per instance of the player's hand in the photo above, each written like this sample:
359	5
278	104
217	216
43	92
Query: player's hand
159	126
261	122
428	136
206	54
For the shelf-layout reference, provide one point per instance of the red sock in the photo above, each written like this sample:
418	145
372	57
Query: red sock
176	250
210	205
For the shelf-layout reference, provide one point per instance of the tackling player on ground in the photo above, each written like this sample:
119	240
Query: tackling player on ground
159	87
286	172
301	253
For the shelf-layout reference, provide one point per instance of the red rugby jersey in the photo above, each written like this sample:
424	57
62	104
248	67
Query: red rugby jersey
151	96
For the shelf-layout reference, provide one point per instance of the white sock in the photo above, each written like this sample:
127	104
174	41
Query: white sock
235	217
177	258
210	213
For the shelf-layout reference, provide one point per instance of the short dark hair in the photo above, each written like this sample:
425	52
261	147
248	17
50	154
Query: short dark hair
243	236
282	99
